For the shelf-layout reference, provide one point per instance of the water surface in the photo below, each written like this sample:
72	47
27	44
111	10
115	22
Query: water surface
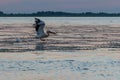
64	20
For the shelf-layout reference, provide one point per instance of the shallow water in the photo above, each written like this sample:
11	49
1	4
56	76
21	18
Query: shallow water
60	65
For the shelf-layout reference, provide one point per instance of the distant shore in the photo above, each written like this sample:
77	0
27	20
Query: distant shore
59	14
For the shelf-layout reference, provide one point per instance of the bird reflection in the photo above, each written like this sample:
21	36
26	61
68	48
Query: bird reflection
39	46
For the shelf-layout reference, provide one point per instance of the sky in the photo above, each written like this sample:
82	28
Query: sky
30	6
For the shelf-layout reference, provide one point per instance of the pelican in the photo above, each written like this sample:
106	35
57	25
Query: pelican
40	31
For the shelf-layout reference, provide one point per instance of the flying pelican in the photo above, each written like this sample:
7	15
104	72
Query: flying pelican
40	31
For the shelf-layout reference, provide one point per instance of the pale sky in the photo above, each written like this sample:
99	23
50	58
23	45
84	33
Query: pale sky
28	6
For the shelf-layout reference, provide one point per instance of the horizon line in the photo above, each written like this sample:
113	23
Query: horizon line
60	11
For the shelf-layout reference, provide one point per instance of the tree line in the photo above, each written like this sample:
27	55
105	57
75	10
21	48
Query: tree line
59	14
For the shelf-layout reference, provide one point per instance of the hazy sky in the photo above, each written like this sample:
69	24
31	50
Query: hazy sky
28	6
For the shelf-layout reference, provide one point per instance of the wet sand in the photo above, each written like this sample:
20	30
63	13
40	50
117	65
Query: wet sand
84	52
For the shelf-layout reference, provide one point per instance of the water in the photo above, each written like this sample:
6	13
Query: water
90	34
63	20
94	65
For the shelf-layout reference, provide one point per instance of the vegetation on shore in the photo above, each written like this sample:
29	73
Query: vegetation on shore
59	14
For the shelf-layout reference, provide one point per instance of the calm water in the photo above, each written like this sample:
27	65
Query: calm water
63	20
